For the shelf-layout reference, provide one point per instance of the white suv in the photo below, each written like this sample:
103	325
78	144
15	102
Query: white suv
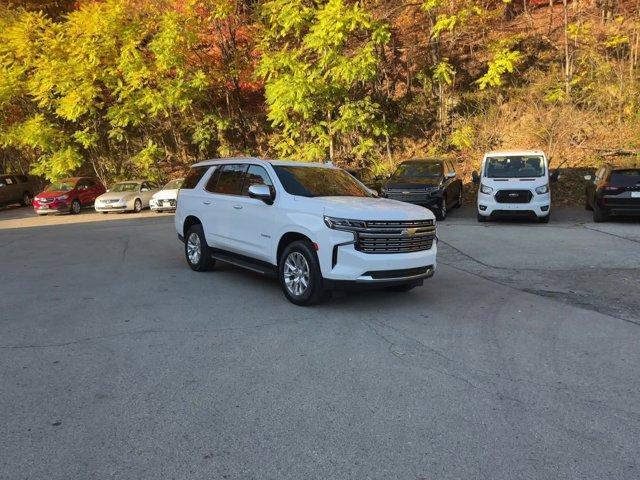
313	226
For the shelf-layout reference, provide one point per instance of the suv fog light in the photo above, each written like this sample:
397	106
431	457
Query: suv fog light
544	208
482	207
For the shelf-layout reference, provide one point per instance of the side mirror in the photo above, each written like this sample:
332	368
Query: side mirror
475	178
450	175
144	189
373	192
554	176
588	178
388	175
261	192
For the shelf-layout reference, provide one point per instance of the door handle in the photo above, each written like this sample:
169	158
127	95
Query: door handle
207	202
238	207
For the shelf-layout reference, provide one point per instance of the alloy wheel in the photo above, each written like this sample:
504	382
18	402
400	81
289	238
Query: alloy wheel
26	200
296	274
194	248
75	206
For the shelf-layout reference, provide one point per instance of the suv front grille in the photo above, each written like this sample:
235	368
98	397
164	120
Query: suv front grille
408	195
395	236
514	196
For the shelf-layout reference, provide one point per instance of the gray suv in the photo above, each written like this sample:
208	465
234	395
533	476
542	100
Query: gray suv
16	189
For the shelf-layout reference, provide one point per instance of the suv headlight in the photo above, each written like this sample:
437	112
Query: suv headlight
543	189
343	223
486	190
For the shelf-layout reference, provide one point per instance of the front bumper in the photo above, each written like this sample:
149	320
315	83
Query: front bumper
58	206
343	263
111	207
539	206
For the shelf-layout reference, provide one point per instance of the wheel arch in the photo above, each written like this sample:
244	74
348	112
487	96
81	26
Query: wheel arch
288	238
189	222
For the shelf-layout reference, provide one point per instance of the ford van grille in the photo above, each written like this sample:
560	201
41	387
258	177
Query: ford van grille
514	196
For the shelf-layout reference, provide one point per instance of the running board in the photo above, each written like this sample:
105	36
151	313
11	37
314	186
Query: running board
247	263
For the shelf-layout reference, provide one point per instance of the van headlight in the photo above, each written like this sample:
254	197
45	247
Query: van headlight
486	190
543	189
344	223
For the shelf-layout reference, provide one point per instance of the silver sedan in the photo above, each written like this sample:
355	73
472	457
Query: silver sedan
131	196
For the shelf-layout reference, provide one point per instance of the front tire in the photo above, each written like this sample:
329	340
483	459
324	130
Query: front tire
75	207
442	213
196	250
300	275
482	218
402	288
137	206
544	219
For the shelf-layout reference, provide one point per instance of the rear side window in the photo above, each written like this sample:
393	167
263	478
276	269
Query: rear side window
22	178
194	176
625	178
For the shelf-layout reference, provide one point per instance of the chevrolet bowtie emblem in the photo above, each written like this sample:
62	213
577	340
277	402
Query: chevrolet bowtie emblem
410	232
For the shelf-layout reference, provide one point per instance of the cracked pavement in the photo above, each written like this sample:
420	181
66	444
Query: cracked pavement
519	359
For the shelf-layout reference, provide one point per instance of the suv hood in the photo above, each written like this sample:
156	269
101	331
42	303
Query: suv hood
368	208
413	182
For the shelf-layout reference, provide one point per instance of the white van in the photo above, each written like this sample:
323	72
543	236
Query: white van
514	183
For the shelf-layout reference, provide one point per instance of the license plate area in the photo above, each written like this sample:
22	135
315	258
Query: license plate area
635	194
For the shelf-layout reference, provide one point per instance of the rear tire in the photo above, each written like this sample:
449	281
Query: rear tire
137	206
27	199
587	205
599	215
196	250
300	275
459	202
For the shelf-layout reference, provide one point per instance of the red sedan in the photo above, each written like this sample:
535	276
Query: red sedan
68	196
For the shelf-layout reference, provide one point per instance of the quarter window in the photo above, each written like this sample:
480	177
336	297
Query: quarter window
193	177
230	179
256	175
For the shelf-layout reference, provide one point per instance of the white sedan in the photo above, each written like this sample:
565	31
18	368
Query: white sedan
131	196
165	199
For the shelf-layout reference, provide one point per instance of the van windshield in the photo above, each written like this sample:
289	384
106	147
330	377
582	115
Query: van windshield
517	166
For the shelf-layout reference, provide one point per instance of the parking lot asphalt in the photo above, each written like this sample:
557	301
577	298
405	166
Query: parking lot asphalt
518	360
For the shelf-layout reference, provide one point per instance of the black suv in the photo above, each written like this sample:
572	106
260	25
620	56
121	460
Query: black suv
431	183
16	189
613	191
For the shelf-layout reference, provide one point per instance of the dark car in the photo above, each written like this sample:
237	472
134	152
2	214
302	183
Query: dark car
68	196
613	191
16	189
431	183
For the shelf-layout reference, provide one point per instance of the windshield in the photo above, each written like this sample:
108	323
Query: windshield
125	187
515	167
319	182
419	170
62	186
173	185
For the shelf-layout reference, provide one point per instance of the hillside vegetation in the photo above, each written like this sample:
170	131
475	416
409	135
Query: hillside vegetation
144	88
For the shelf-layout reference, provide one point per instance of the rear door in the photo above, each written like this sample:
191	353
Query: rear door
83	187
224	188
11	189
